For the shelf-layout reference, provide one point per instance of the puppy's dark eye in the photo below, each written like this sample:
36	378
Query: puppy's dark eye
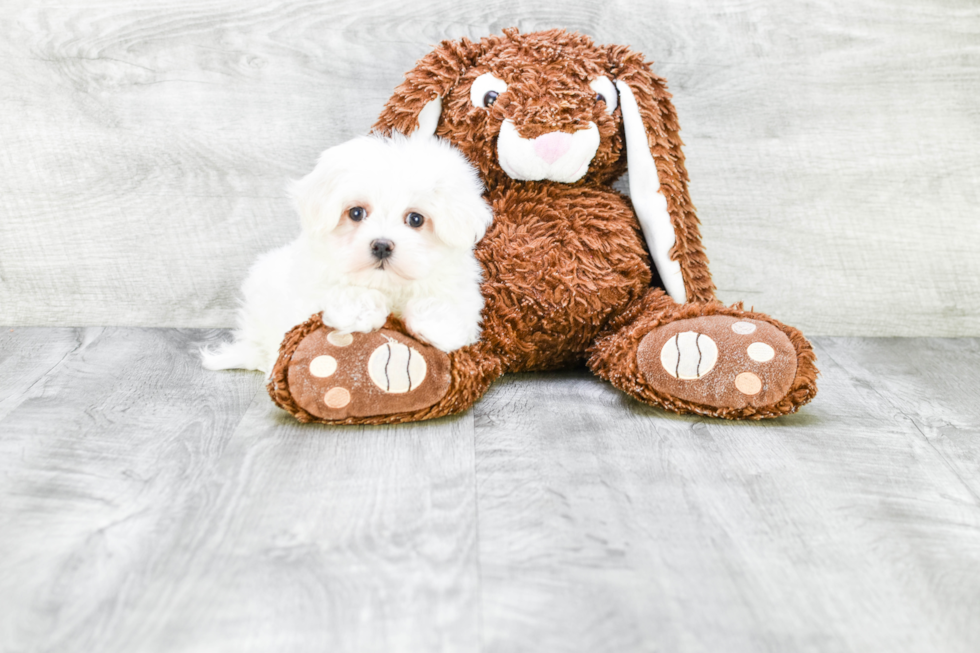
414	220
490	98
599	97
357	213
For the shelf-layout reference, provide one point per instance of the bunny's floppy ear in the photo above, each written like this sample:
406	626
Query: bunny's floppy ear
658	179
417	102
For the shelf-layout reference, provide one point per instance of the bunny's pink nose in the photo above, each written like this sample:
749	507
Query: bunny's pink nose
551	147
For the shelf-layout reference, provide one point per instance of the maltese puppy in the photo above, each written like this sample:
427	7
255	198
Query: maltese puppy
388	227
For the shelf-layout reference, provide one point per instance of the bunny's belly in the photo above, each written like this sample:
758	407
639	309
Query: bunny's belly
559	263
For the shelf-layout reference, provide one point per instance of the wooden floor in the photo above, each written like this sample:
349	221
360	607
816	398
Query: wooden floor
149	505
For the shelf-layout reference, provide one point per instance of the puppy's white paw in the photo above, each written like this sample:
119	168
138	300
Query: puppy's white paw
365	322
445	333
361	312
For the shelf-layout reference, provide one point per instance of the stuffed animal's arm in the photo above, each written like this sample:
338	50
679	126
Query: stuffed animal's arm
648	202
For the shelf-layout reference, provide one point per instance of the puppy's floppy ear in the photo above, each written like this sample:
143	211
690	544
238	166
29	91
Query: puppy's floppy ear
315	195
417	102
658	178
463	220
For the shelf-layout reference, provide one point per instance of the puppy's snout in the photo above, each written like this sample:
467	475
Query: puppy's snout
382	248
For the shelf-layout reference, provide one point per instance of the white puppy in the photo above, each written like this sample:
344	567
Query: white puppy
388	227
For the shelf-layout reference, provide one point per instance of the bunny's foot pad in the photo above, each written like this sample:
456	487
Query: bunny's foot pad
323	375
720	361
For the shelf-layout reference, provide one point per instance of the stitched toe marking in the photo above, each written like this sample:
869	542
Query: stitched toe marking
743	328
761	352
396	368
748	383
338	339
689	355
323	366
337	397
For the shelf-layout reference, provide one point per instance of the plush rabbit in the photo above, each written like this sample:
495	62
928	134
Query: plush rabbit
574	272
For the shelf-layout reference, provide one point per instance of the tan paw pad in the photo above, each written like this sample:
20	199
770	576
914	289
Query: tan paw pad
335	376
748	383
718	361
337	397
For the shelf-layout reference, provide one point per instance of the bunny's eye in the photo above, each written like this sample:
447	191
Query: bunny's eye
357	213
605	92
486	89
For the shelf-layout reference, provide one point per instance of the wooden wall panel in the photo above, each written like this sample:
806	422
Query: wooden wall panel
144	147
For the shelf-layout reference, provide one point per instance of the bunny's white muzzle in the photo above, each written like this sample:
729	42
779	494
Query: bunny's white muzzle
555	156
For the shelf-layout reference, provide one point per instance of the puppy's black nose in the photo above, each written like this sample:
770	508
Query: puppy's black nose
382	248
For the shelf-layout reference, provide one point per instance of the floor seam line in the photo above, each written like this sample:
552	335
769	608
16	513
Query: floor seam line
918	429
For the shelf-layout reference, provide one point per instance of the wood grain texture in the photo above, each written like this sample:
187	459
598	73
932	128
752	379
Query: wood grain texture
609	526
26	357
142	508
102	464
149	505
144	147
933	384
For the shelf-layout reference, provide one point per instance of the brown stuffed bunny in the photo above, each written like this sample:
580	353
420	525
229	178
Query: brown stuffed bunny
575	272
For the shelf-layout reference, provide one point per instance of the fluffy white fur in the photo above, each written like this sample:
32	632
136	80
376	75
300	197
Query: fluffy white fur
431	280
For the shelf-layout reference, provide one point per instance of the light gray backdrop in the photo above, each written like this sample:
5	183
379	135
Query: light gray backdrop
145	146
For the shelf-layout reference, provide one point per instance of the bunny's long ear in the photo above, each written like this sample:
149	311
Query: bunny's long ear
417	102
658	179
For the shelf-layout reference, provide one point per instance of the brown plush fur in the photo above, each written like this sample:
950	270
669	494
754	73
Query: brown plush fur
567	274
472	369
548	75
614	358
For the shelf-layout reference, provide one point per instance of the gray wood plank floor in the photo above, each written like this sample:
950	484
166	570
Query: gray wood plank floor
149	505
